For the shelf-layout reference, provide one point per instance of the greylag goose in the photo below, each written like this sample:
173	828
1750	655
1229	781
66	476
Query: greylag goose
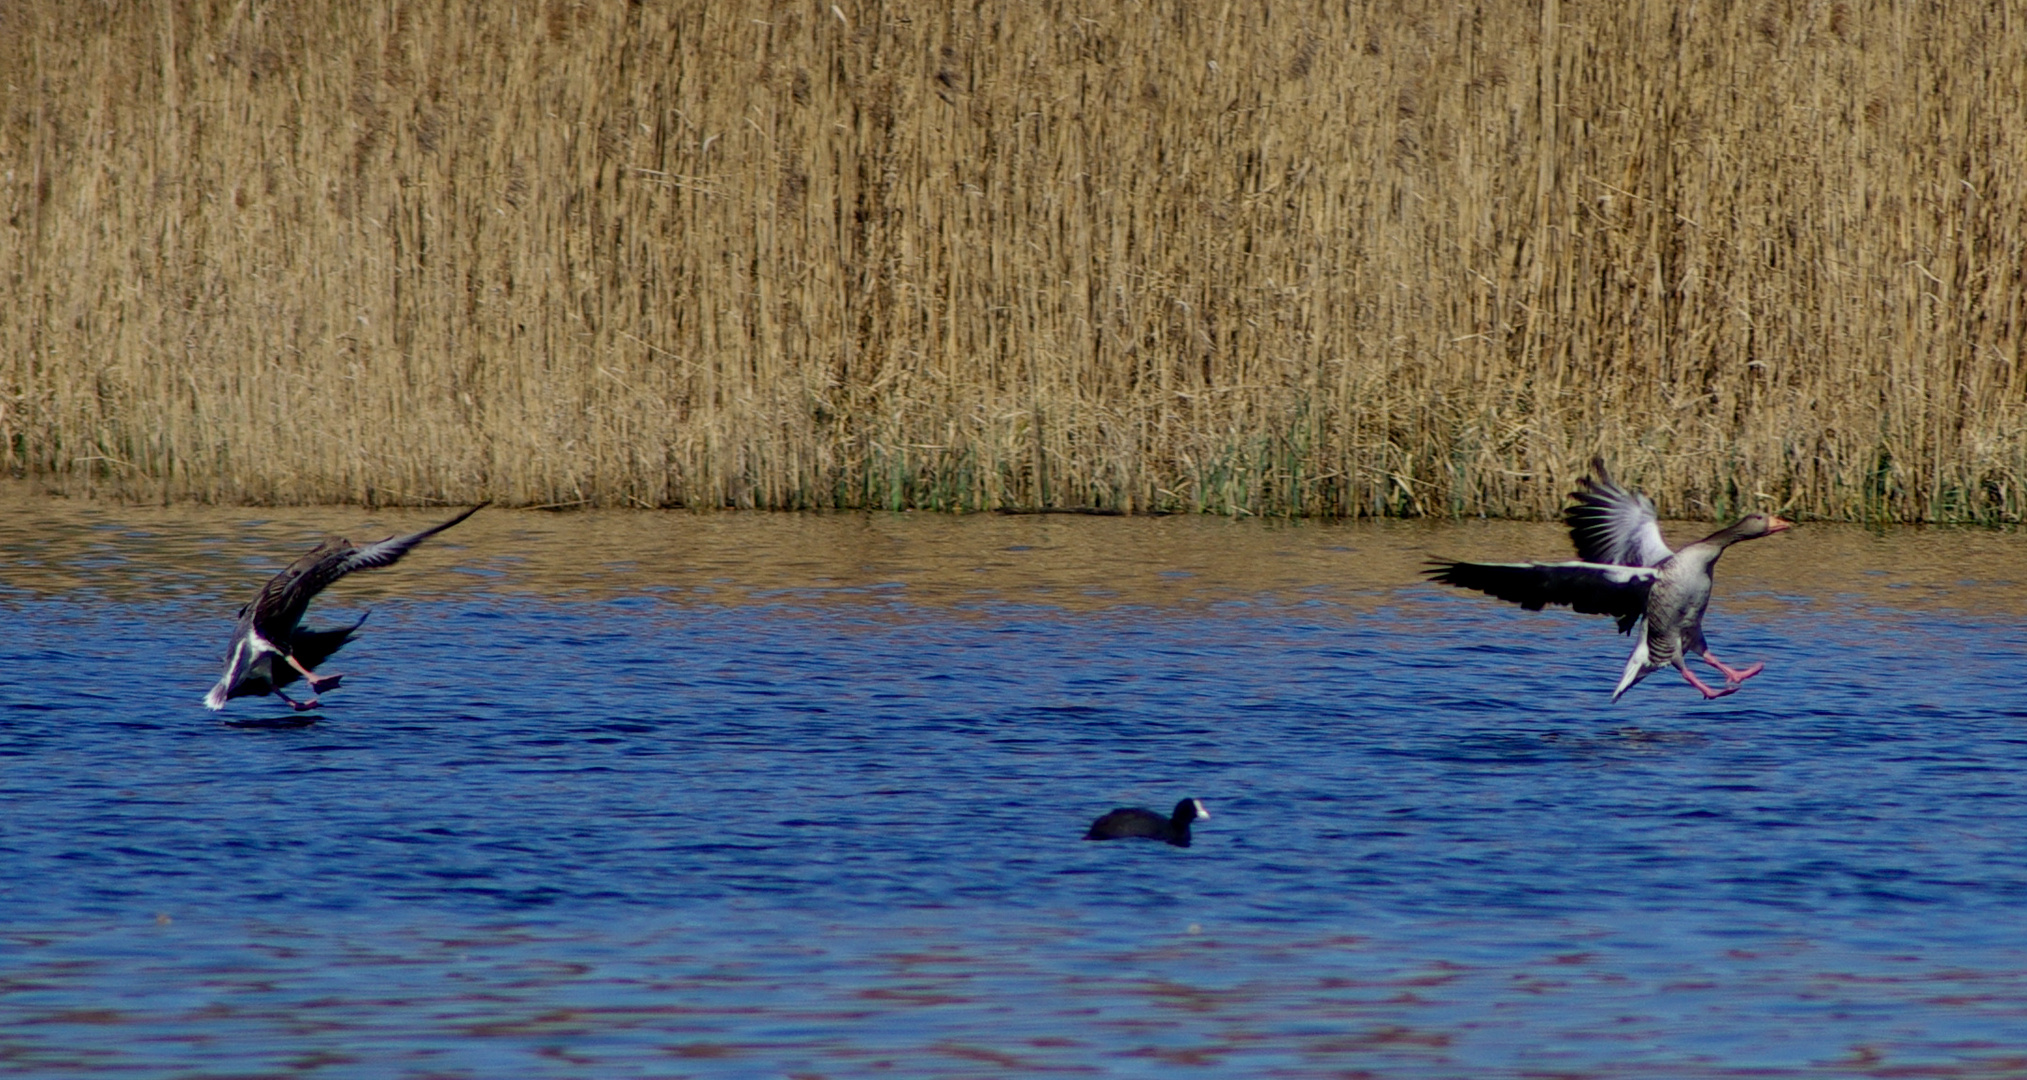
267	626
1625	570
1129	822
311	647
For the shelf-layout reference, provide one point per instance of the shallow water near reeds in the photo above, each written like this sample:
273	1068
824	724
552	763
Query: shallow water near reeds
657	794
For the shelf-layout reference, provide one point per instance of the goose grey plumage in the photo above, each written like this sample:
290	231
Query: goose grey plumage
311	647
1624	569
267	627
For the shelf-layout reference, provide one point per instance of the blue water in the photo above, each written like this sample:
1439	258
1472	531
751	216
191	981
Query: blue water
626	813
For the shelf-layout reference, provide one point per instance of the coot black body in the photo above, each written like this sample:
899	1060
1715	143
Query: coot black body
1129	823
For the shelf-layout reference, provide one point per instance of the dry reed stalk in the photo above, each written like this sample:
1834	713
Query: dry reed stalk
1373	258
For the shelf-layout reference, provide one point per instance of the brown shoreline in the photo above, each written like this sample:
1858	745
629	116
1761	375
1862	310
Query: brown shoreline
869	560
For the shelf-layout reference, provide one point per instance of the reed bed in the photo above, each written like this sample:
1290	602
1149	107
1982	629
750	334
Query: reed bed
1304	258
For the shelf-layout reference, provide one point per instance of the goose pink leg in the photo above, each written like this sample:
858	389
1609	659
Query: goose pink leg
1732	676
318	683
1708	693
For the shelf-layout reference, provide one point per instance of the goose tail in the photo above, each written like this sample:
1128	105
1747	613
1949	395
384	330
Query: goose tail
1637	668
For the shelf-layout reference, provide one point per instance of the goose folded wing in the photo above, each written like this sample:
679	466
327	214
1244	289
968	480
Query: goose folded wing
1589	588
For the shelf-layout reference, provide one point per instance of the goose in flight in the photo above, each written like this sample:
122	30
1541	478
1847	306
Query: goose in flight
267	627
1624	569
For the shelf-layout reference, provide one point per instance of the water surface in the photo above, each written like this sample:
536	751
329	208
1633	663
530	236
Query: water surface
654	794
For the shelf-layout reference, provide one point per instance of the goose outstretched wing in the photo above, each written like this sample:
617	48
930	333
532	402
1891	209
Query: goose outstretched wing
1611	525
1586	587
281	602
385	552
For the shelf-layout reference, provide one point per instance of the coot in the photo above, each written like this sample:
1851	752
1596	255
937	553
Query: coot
1132	821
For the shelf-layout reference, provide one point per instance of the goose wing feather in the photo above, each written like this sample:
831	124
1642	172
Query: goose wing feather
1585	587
282	601
1609	524
387	552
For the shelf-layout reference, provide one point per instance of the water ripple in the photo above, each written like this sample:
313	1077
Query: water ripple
834	828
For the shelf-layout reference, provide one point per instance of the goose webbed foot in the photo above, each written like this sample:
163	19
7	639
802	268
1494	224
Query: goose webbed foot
318	683
1706	689
299	706
1733	676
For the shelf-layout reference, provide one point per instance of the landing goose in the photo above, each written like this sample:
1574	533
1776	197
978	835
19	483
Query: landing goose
267	627
1625	570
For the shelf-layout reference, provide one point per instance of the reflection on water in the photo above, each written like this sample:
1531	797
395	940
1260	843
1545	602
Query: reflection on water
64	547
664	794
